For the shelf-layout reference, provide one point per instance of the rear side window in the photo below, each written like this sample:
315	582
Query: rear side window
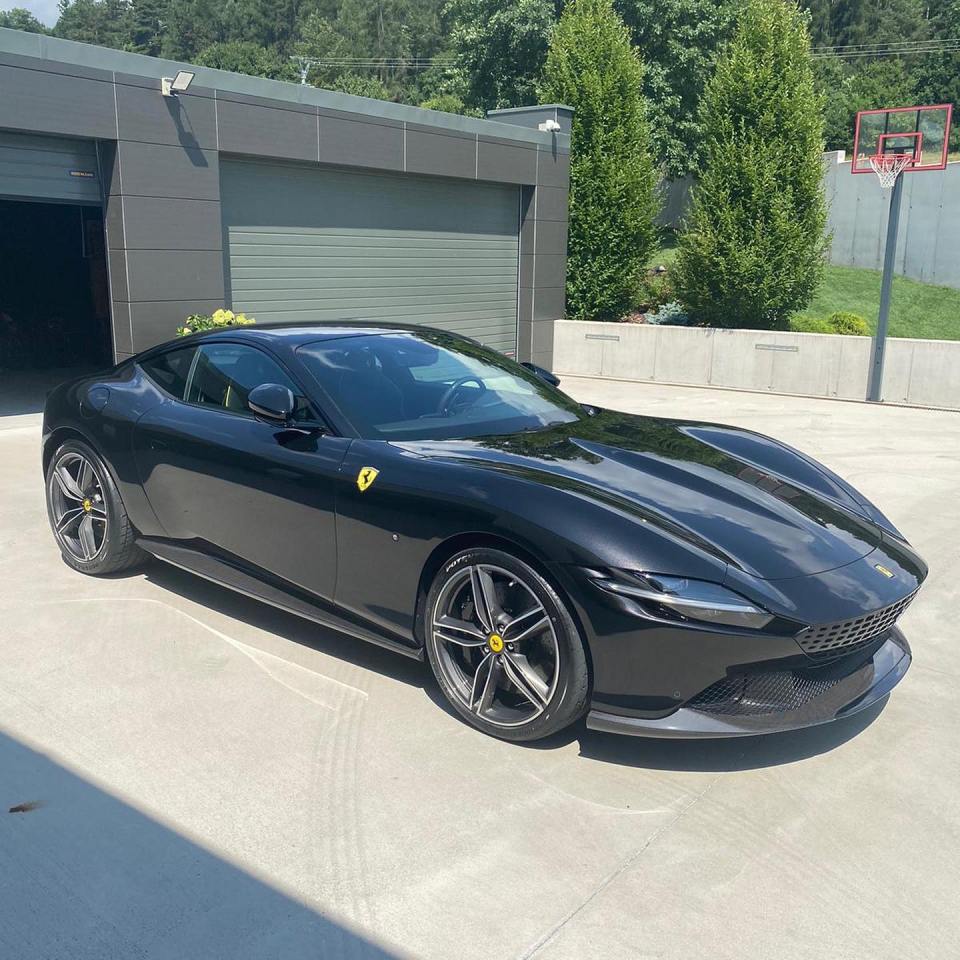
170	370
225	373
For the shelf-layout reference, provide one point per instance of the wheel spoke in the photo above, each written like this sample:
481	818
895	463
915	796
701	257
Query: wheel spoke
85	476
523	621
464	634
536	627
68	486
88	542
484	598
481	696
69	517
530	684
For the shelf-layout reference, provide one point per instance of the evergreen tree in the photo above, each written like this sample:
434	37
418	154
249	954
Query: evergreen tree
147	25
593	68
105	22
751	252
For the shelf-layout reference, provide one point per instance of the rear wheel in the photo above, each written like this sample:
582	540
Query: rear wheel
503	646
86	514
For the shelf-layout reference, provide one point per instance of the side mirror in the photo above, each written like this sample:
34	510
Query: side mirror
551	378
272	402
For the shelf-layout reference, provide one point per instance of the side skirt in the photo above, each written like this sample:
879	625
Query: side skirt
234	578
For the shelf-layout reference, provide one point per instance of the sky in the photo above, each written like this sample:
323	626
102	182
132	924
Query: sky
44	10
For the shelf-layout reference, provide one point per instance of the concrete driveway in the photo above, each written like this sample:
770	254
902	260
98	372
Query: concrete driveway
206	777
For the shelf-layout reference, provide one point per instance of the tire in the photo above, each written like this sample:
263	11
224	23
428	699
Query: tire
525	678
87	516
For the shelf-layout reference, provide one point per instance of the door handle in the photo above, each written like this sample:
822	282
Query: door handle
156	444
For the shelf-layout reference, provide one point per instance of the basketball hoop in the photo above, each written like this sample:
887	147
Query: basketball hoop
889	166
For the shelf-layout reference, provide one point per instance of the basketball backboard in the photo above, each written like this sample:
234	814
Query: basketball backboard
919	133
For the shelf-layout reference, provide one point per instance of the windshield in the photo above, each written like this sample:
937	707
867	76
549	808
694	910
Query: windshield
426	385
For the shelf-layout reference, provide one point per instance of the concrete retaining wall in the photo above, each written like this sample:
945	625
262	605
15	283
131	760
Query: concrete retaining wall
924	372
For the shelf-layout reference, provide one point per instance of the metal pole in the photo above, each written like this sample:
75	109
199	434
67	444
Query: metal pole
880	340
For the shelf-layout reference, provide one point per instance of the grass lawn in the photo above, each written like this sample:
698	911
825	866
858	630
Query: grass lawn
917	310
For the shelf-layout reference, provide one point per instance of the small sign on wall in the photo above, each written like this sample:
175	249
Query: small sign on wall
83	174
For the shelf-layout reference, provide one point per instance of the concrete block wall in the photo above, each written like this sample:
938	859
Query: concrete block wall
922	372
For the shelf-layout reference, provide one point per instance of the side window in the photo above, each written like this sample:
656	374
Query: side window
170	370
225	373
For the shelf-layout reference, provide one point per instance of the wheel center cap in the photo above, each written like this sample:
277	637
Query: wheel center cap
88	505
495	642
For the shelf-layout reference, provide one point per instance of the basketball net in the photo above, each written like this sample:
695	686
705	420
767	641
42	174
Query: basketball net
889	166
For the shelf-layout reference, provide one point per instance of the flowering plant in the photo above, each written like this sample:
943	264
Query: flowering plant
198	322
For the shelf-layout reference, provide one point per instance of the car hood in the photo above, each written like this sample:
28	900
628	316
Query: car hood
748	500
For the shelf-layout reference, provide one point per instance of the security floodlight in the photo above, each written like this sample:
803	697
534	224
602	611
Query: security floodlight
179	84
549	126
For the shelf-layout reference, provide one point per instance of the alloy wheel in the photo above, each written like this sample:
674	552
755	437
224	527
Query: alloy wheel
78	507
496	645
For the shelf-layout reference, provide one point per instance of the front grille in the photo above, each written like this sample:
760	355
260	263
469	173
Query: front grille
755	694
828	640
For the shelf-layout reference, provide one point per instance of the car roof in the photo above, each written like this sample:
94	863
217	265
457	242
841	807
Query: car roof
294	334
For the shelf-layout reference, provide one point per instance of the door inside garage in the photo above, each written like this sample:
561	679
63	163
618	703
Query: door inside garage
54	294
305	244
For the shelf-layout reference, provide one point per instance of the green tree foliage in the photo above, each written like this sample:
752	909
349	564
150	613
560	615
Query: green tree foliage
244	56
361	85
20	19
449	103
499	47
106	22
592	67
938	75
848	88
751	252
679	41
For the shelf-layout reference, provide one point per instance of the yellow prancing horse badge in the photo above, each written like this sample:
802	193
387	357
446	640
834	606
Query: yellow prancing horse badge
886	571
366	476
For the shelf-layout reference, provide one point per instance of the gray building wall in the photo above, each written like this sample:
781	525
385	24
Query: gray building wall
160	157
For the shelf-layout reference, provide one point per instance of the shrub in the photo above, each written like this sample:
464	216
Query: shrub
671	313
807	324
842	322
198	322
592	67
655	290
851	324
752	249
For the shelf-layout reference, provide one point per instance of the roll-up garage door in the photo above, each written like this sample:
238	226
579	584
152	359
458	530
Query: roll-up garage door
48	168
309	244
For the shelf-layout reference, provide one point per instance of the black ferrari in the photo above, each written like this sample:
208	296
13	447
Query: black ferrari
549	559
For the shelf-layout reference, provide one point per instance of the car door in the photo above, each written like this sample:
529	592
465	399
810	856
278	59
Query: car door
234	484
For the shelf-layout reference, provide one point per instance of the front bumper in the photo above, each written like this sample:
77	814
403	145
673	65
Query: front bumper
749	705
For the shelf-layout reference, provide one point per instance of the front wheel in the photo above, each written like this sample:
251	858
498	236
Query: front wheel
503	646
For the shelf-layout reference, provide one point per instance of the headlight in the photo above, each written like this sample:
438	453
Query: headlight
681	598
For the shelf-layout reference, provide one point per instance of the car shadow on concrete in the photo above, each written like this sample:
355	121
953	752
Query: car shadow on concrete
287	625
86	876
719	755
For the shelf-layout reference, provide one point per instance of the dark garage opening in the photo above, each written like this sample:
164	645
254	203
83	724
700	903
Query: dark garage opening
54	298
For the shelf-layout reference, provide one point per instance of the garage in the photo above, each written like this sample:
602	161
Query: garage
54	294
308	244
